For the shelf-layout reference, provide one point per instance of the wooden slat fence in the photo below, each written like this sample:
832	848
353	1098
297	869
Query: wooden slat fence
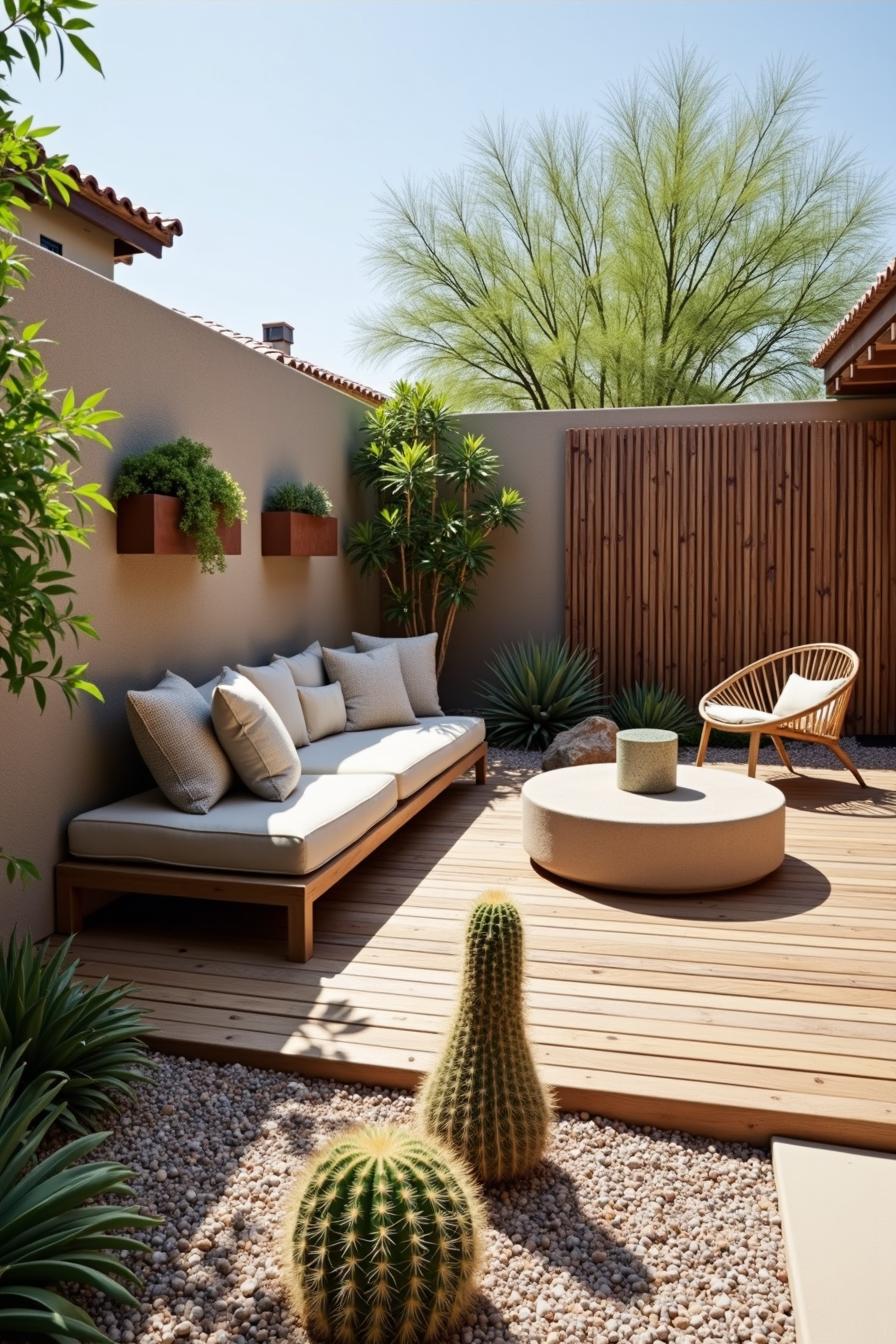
693	550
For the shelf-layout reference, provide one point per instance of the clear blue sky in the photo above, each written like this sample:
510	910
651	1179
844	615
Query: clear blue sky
270	126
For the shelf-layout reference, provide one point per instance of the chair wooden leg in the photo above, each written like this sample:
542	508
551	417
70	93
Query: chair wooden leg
844	757
704	744
783	755
481	769
300	929
69	907
753	754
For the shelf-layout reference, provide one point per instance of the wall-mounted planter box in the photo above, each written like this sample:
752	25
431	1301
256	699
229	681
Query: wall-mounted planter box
285	533
149	525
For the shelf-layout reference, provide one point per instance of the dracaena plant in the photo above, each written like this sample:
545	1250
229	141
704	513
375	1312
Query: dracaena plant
439	502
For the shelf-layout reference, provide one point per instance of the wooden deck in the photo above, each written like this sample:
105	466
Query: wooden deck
770	1010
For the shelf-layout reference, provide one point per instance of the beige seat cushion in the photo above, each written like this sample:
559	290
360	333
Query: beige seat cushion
417	655
735	714
307	667
276	685
802	693
254	737
372	687
414	755
243	833
324	710
172	727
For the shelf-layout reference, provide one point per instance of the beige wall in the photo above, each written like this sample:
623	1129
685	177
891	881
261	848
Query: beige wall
84	243
524	593
169	376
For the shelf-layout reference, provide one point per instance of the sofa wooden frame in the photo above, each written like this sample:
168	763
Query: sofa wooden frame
84	885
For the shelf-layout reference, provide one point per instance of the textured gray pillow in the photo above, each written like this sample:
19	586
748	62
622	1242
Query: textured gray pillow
324	710
276	684
255	738
417	655
307	668
172	727
372	687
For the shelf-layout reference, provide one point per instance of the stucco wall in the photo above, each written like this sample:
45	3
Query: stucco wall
524	593
169	376
84	243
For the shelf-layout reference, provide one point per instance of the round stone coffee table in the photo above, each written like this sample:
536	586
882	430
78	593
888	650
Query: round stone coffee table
717	829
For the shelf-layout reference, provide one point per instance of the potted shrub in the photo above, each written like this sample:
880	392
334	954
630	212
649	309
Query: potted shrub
173	500
297	520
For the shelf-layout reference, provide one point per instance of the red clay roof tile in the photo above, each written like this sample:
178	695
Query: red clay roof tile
857	314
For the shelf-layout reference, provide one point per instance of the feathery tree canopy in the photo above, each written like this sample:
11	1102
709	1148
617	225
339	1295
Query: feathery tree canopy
694	246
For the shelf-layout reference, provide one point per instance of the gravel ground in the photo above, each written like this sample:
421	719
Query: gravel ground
624	1234
801	753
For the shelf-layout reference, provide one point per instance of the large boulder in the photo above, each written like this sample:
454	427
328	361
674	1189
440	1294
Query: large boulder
591	742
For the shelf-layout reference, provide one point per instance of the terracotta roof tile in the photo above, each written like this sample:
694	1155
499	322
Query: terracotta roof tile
882	286
349	385
165	230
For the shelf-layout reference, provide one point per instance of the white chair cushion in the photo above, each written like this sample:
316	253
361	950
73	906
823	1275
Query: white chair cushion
324	710
372	687
254	737
276	685
417	656
243	833
736	714
414	755
801	693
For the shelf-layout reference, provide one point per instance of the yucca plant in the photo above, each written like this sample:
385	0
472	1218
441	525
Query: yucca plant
51	1231
535	690
90	1035
651	705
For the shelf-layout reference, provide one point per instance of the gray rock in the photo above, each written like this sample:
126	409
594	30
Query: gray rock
591	742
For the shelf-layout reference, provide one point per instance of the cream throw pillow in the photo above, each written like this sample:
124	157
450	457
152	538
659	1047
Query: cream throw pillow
255	738
801	693
372	687
417	656
307	668
324	710
172	727
276	685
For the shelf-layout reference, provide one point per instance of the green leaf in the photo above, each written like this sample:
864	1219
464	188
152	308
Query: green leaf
86	52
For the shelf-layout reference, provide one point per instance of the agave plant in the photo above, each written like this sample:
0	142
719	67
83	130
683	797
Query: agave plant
51	1231
535	690
652	706
87	1034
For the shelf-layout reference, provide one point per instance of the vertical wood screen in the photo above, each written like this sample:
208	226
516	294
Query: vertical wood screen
691	551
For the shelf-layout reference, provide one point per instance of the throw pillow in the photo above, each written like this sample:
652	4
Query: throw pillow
801	693
324	710
276	684
307	668
372	687
172	727
417	656
255	738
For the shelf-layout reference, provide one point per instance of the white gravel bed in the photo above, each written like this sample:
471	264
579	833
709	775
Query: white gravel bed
801	753
624	1234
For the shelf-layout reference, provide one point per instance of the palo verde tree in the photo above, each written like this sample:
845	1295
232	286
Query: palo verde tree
44	511
693	245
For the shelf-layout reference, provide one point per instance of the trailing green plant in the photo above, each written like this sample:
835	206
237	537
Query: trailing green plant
294	498
438	506
44	510
210	496
383	1240
87	1034
484	1097
52	1231
651	705
535	689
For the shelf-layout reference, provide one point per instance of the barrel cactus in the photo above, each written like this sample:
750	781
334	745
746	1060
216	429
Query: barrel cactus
383	1239
484	1098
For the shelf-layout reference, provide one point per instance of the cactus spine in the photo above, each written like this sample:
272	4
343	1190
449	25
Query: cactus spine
383	1240
484	1097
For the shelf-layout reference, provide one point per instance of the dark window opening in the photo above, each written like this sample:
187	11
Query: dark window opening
51	244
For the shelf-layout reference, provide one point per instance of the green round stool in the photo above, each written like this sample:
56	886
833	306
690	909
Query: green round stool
646	760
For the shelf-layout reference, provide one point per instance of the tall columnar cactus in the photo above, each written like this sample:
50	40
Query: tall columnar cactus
484	1098
383	1240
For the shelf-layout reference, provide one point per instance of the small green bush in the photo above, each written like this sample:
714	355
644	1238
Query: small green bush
87	1035
651	705
294	498
537	689
209	495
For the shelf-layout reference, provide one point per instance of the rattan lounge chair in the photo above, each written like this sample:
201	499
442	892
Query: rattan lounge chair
762	700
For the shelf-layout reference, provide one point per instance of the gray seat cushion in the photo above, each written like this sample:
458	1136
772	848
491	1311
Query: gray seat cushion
414	754
242	833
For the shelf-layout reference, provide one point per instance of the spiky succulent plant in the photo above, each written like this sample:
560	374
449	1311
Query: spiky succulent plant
535	689
383	1239
484	1097
651	705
